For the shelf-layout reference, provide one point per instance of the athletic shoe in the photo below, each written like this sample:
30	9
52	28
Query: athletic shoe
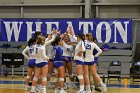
65	86
27	87
83	91
38	88
56	91
62	91
88	91
92	87
43	91
103	88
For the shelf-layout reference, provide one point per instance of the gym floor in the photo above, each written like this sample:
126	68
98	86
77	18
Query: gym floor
16	85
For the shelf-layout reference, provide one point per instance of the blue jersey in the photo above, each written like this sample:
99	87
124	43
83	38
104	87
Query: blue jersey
58	54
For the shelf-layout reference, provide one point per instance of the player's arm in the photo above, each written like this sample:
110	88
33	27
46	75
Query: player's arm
98	49
24	53
50	41
44	54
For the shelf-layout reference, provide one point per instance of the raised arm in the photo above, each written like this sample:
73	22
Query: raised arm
50	41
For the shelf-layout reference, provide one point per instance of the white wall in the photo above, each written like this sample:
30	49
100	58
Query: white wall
68	11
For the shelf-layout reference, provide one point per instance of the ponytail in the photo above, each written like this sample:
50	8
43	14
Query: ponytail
31	41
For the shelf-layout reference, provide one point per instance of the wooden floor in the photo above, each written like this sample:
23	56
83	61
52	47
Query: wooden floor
6	87
110	90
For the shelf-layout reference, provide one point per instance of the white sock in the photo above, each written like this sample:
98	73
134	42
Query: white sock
88	87
33	89
101	83
44	88
81	87
40	86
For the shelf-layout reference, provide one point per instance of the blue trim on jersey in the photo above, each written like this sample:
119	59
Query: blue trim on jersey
58	64
42	64
90	63
69	59
79	62
31	63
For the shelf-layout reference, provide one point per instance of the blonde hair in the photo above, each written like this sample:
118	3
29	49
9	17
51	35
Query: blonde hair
89	36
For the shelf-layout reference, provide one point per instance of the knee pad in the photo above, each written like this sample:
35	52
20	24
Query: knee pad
56	80
35	79
28	77
80	77
44	79
32	73
71	76
61	79
55	70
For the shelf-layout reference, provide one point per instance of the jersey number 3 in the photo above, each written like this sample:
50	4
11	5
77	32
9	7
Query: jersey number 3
88	46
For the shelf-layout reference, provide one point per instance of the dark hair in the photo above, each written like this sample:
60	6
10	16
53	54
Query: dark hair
31	41
57	39
82	37
37	33
65	36
47	35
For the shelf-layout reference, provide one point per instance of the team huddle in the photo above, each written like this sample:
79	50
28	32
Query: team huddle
57	52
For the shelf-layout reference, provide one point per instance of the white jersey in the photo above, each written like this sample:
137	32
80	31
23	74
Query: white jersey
90	46
67	50
30	51
40	54
79	47
49	50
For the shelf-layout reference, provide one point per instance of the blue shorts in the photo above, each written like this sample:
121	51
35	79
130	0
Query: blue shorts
69	59
78	62
31	63
95	59
58	64
90	63
42	64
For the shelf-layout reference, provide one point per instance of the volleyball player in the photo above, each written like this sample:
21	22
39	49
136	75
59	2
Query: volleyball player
59	66
41	64
28	53
67	52
78	57
91	64
50	54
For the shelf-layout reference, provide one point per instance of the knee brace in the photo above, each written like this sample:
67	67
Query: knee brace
44	79
55	70
32	73
35	79
56	80
61	79
80	77
28	77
